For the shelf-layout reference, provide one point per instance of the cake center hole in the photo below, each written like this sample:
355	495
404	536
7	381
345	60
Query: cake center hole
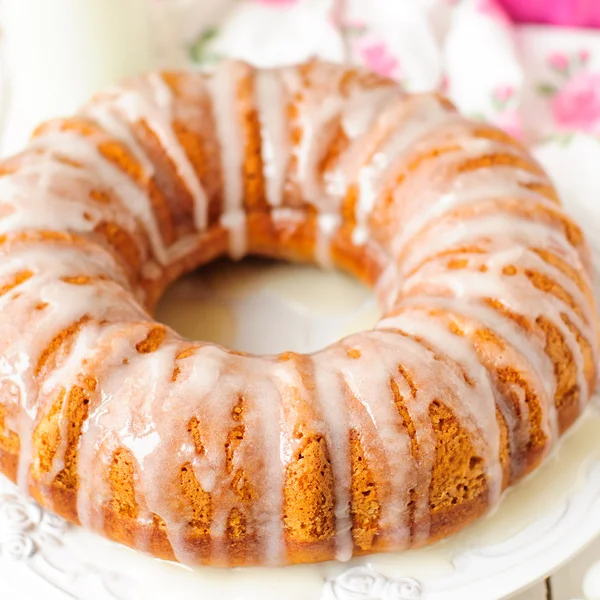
267	307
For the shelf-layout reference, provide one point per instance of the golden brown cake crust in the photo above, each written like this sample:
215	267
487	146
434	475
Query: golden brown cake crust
389	439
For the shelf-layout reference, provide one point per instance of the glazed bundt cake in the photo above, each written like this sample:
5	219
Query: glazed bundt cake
385	440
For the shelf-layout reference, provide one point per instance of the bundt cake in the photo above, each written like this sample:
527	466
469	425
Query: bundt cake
385	440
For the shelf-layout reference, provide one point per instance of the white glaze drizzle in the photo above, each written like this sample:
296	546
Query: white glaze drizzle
156	109
519	295
84	150
316	118
427	115
107	117
330	397
32	328
151	104
511	228
271	106
327	225
469	188
372	390
235	223
48	194
223	88
477	397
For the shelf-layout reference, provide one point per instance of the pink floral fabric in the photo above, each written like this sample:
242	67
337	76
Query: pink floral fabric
564	84
377	56
575	99
533	82
577	104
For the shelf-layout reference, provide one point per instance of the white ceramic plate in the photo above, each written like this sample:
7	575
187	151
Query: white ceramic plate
539	525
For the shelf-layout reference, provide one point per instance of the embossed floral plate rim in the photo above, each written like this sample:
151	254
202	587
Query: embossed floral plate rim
35	540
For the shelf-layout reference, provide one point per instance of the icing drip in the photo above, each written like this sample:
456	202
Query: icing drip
474	400
107	117
270	101
371	389
518	294
523	233
371	175
316	122
470	188
151	105
83	150
155	109
222	86
36	196
327	225
211	384
235	223
536	364
31	327
330	396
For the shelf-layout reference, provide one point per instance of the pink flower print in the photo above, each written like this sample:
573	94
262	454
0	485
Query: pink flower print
377	57
509	121
583	56
577	105
503	94
559	62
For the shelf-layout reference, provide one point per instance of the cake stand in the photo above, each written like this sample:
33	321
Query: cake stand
539	525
